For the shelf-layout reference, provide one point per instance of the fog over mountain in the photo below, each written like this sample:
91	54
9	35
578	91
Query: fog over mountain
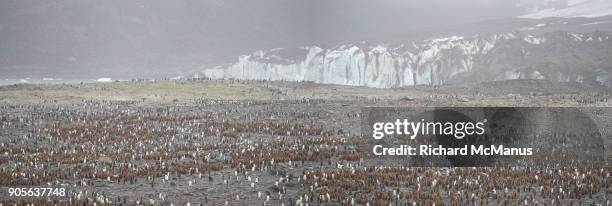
155	38
566	48
117	38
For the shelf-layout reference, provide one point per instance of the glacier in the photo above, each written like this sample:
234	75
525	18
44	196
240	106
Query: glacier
557	56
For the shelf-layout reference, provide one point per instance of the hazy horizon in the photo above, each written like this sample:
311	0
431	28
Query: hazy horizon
167	38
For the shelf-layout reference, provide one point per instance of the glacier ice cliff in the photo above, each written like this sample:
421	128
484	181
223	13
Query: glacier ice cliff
556	56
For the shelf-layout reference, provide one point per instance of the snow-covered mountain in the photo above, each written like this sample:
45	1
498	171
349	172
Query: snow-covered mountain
569	9
557	56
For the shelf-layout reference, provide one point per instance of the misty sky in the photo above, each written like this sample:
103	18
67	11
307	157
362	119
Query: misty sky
119	37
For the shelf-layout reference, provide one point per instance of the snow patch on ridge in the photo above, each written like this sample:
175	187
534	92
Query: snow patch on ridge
575	8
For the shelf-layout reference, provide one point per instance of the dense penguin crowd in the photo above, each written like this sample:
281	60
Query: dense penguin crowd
248	152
